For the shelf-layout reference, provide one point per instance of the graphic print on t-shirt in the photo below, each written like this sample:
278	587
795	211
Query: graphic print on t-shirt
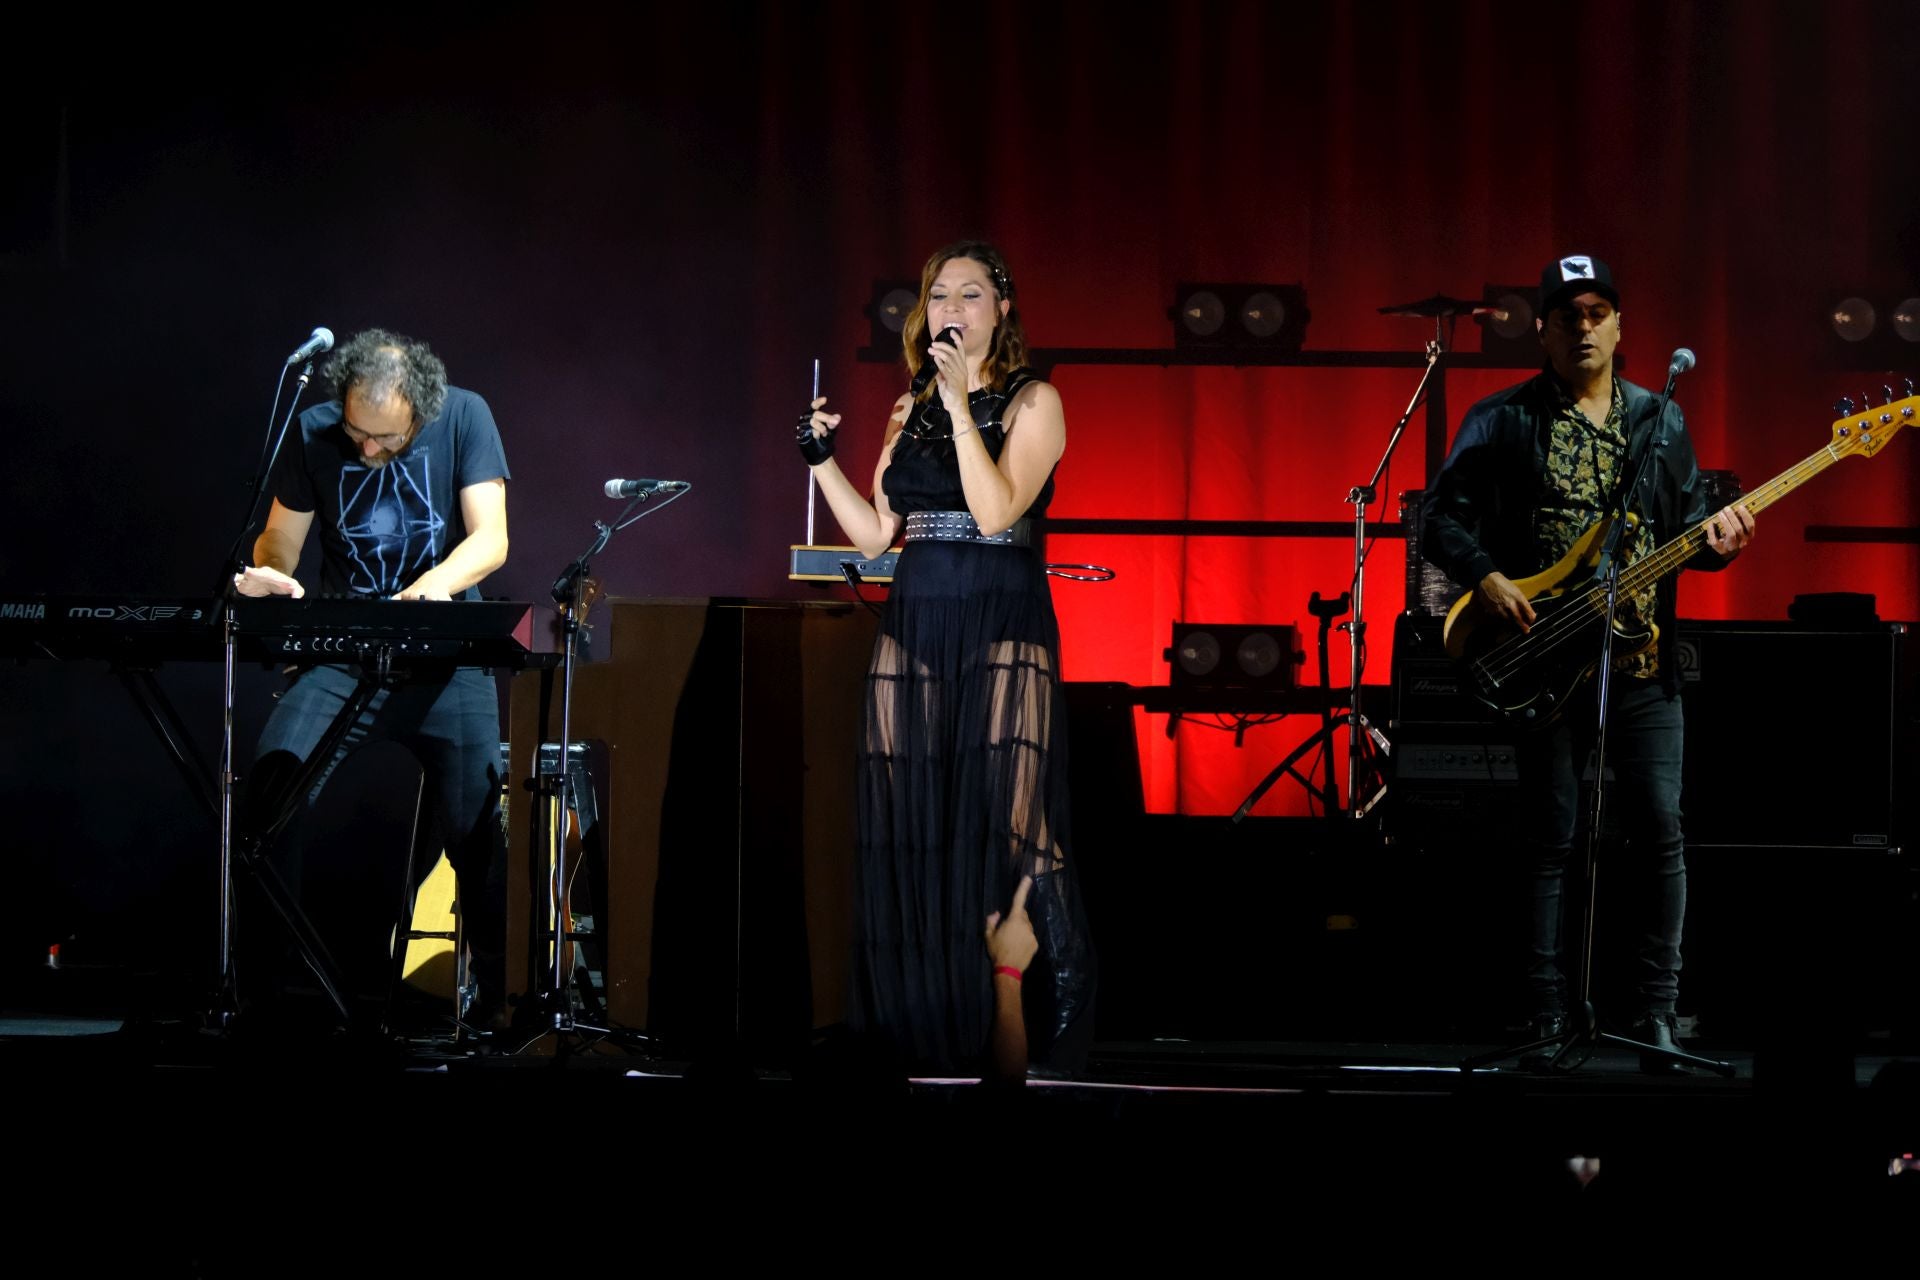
388	521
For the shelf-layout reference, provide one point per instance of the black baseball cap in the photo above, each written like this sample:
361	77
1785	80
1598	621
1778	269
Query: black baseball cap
1575	273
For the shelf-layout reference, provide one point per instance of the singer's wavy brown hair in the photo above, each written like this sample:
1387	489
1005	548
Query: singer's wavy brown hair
382	364
1009	348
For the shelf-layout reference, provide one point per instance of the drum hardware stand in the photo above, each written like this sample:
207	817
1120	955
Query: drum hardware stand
1583	1033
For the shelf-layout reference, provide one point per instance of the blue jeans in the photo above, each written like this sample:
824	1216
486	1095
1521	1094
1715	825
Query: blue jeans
1648	876
451	724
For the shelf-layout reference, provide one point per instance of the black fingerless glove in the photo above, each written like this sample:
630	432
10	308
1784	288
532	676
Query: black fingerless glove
815	449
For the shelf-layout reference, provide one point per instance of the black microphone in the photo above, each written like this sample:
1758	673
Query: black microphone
929	370
634	488
322	340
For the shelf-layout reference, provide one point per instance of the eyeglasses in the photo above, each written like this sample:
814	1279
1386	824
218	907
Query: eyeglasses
388	442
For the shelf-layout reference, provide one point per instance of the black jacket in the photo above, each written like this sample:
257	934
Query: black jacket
1479	511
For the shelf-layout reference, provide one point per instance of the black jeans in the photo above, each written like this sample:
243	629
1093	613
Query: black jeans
1648	876
451	724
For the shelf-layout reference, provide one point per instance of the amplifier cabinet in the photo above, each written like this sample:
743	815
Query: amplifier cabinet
1453	766
1797	737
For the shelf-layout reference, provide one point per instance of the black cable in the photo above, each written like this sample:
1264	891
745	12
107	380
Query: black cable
622	520
852	575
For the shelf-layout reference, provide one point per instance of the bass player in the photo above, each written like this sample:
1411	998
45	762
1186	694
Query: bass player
1532	469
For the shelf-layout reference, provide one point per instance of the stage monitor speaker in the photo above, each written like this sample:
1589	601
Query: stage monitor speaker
1797	737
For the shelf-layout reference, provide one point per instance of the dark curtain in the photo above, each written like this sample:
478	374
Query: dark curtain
632	230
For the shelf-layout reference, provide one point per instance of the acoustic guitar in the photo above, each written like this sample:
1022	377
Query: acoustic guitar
1527	677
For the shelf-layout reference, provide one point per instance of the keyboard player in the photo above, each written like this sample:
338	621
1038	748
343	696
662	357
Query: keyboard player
405	478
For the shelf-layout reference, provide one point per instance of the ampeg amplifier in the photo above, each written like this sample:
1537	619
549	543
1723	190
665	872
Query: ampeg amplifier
1453	764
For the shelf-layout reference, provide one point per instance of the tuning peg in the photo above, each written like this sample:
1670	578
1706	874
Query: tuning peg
1889	391
1909	382
1842	407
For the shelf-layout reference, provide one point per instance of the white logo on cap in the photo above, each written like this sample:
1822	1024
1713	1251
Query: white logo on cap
1576	268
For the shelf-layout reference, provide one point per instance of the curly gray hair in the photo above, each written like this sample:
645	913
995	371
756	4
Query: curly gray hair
381	364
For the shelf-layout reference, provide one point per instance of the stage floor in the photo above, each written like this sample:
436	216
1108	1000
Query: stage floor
1228	1128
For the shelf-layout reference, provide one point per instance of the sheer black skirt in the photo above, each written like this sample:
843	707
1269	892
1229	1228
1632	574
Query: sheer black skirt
963	790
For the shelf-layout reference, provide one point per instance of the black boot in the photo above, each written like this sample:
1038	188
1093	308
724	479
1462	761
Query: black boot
1657	1029
1544	1026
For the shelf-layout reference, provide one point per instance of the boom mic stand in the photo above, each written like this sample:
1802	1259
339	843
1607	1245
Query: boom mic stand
552	1000
224	1003
1361	733
1582	1033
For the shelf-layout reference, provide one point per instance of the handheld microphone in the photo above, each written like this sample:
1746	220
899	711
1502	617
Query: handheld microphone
635	488
930	370
322	340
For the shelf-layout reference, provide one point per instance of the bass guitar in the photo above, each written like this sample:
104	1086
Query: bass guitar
1527	677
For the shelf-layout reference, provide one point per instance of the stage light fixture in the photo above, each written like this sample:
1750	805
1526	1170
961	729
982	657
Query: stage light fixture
1196	655
1240	315
1262	315
892	303
1906	320
1206	655
1201	313
1853	319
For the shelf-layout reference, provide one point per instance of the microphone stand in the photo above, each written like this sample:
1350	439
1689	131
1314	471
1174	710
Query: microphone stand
225	1000
1358	728
1360	731
552	1000
1582	1033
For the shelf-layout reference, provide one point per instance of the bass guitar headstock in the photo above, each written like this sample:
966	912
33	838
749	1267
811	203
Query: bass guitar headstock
1867	431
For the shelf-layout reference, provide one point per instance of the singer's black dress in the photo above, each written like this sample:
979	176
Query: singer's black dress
963	780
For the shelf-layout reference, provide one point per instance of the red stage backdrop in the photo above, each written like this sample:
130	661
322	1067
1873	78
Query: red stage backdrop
1741	166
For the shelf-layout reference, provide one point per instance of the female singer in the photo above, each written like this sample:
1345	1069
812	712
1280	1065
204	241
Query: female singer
962	771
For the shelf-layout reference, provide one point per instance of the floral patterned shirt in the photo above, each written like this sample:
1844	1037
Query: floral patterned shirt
1583	470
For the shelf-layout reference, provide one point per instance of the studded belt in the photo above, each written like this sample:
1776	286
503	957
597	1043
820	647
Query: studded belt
960	526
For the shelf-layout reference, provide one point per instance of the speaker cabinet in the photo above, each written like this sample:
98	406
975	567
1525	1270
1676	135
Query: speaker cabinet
1797	737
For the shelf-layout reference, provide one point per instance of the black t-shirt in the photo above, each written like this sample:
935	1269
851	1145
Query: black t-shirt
382	527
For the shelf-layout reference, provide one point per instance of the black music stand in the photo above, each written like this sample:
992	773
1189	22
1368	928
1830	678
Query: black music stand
1582	1033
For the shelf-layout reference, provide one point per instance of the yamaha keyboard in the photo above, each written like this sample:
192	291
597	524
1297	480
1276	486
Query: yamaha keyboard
480	633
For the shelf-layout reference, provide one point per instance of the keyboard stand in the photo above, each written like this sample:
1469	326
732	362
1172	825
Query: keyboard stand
250	850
